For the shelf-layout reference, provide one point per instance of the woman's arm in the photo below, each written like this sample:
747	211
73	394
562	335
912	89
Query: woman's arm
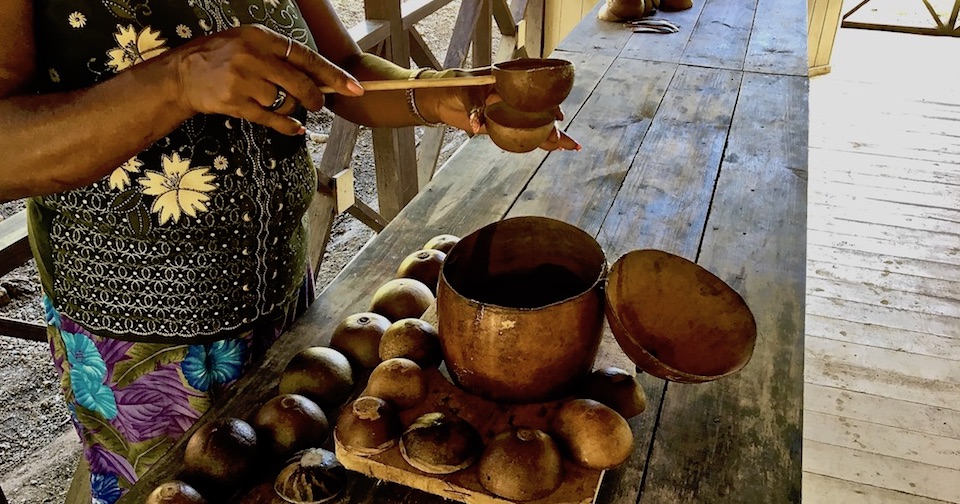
61	141
452	106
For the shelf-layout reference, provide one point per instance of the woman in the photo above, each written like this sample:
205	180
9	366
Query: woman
161	146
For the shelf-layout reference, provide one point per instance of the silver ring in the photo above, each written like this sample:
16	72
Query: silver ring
281	97
286	55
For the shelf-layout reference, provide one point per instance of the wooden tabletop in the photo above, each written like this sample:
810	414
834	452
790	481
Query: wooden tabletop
694	143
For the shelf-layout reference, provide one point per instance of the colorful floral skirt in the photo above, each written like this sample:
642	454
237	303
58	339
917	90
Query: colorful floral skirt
130	402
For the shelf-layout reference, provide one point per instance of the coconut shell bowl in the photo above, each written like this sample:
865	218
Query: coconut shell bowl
521	305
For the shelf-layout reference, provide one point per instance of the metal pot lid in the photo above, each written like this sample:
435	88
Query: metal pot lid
676	320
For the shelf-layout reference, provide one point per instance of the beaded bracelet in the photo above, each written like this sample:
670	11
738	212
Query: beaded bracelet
412	102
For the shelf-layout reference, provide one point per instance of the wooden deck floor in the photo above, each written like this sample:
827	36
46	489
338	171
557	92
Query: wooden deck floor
882	379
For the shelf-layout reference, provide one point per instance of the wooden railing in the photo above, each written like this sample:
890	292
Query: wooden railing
402	169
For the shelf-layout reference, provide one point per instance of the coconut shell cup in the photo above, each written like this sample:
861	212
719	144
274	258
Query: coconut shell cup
534	84
676	320
517	131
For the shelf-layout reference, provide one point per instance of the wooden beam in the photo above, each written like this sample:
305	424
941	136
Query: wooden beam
14	246
483	36
420	51
504	17
395	156
413	11
337	155
518	8
368	216
533	28
22	330
456	56
368	33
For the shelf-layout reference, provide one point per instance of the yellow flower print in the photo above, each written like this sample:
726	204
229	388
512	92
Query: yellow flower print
180	189
220	163
134	47
77	20
54	75
120	178
184	31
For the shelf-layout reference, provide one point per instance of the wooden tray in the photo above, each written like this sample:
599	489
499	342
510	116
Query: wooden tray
580	485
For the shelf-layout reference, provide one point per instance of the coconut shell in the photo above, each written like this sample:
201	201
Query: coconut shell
321	374
437	443
368	426
289	423
413	339
174	492
521	464
221	453
402	298
358	338
401	382
595	436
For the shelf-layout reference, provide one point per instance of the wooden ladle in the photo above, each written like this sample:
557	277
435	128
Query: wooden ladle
527	84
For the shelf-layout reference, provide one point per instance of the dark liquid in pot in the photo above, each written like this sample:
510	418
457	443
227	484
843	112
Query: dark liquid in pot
540	286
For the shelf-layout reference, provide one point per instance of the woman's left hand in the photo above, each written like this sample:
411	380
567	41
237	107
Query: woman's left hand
462	107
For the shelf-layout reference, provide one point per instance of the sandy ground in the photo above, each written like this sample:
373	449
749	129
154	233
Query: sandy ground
38	447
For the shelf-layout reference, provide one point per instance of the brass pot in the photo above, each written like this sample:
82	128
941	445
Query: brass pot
520	309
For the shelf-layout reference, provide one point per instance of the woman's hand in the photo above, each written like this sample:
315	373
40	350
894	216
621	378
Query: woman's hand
254	73
462	107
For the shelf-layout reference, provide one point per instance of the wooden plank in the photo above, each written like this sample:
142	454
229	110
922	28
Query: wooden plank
506	23
414	11
819	489
362	212
676	167
884	440
876	470
905	250
901	340
337	156
816	10
669	48
778	43
483	36
880	410
881	262
592	35
23	330
941	246
572	186
828	33
887	316
720	37
857	164
923	304
368	33
935	370
891	213
396	163
474	191
739	439
948	287
850	370
518	10
533	28
14	246
420	51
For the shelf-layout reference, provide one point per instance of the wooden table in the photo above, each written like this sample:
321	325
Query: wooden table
694	143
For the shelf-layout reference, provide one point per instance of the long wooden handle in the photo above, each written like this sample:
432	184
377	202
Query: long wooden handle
395	84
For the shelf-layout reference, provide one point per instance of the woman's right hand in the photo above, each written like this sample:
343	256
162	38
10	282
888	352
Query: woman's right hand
238	72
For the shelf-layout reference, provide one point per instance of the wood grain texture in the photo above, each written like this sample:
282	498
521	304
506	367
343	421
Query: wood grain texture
819	489
720	37
906	415
778	42
665	196
738	439
593	36
14	246
667	47
905	476
902	340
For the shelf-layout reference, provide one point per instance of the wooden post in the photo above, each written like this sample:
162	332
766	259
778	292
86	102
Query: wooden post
395	151
456	56
533	28
483	36
823	22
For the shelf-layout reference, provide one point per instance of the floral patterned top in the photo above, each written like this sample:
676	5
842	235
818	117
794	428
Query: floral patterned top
200	235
